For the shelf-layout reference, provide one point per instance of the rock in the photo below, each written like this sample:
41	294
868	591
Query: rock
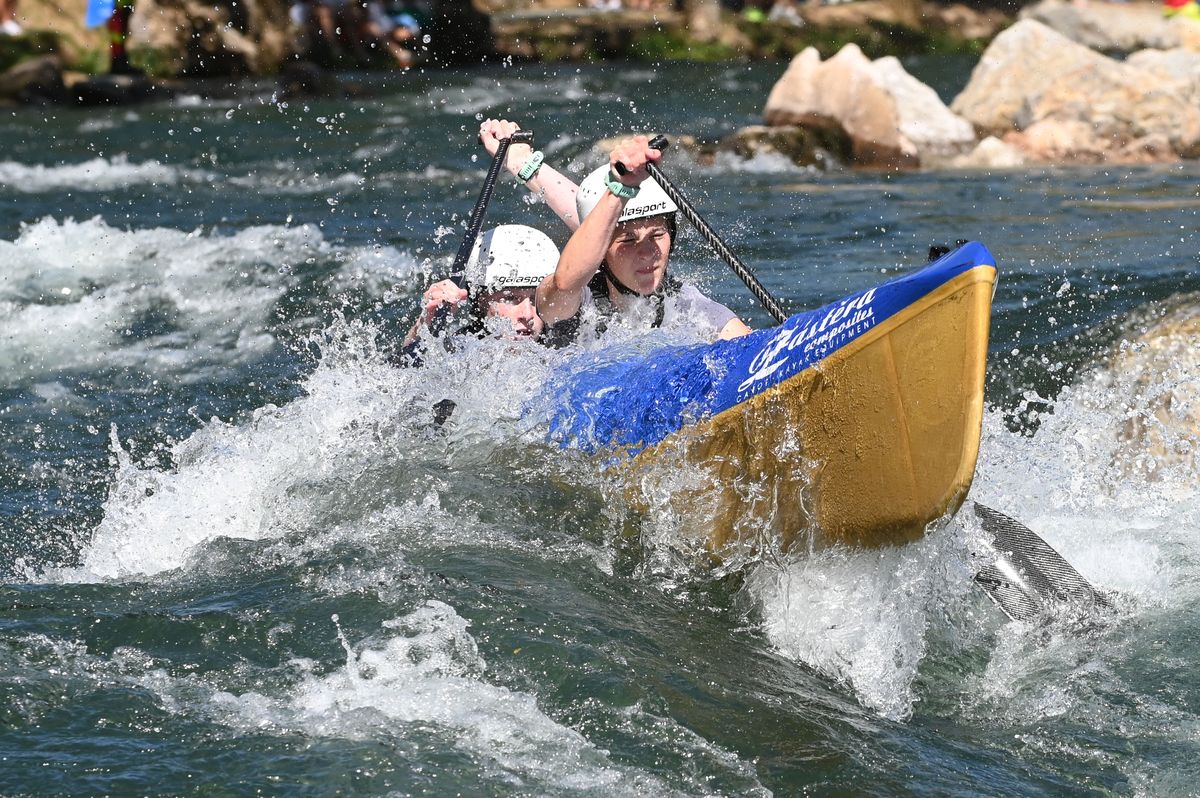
1153	382
1113	27
118	90
306	79
1058	100
801	146
1170	67
991	153
890	118
970	23
35	82
201	39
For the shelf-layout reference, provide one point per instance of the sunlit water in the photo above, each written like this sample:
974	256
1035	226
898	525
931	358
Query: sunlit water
239	558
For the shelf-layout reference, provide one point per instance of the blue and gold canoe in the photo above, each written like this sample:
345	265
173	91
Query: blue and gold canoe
855	423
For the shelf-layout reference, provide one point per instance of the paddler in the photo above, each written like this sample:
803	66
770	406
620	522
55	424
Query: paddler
506	266
614	268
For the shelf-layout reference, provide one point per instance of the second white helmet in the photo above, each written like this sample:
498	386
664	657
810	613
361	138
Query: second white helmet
511	256
650	201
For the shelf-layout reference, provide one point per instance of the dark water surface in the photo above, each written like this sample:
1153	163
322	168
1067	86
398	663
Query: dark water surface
236	558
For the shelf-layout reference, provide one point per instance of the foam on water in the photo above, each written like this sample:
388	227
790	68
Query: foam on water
272	474
424	671
87	294
862	616
1108	479
421	675
97	174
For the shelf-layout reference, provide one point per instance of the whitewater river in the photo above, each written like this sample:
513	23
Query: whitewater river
236	557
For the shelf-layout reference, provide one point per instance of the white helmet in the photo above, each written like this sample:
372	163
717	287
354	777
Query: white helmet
650	201
511	256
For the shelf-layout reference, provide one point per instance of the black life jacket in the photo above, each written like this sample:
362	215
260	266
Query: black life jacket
566	331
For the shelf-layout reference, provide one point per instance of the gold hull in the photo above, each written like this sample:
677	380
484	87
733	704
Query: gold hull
866	448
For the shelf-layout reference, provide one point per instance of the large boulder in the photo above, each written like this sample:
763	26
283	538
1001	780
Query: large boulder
1153	380
890	118
228	37
35	82
1115	27
1058	100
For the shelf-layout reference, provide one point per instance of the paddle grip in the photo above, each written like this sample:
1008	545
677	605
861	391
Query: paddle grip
458	270
659	142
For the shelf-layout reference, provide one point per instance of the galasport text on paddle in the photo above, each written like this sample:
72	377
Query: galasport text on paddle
1028	576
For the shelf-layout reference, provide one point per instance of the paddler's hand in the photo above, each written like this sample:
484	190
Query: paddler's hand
440	294
633	153
490	134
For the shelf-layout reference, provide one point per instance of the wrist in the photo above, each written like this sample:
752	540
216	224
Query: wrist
530	167
619	189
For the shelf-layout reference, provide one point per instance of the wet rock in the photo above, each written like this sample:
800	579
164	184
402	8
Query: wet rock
118	90
802	146
991	153
227	38
1059	101
1153	376
38	81
305	79
1114	27
890	118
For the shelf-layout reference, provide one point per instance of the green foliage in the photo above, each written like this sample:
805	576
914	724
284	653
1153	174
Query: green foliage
662	45
14	49
876	39
154	61
93	61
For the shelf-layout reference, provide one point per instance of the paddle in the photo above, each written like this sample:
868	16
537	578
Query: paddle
441	319
1028	576
457	271
710	235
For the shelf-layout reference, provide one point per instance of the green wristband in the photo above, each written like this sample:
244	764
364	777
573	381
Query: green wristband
619	189
531	167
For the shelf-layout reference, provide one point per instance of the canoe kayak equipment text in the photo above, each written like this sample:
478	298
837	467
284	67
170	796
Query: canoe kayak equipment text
821	335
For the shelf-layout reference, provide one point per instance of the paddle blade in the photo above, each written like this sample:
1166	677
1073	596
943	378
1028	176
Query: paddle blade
1029	577
98	12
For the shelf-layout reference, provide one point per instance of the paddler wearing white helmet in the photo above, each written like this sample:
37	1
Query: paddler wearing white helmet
616	261
506	265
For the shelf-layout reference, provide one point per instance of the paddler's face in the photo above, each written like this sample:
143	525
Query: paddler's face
638	253
515	305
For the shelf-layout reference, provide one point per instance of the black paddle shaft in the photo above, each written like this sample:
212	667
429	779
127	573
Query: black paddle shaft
715	241
458	270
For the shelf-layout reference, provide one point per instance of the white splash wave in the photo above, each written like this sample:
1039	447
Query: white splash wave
97	174
86	294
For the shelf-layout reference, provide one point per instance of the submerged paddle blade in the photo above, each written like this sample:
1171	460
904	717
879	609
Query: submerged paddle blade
1028	576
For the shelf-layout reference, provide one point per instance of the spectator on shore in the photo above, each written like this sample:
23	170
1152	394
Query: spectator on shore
8	18
335	30
1181	8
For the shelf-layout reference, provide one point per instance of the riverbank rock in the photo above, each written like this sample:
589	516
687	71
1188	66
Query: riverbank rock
1059	101
991	153
224	38
95	90
38	81
1154	378
821	148
1116	27
890	118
